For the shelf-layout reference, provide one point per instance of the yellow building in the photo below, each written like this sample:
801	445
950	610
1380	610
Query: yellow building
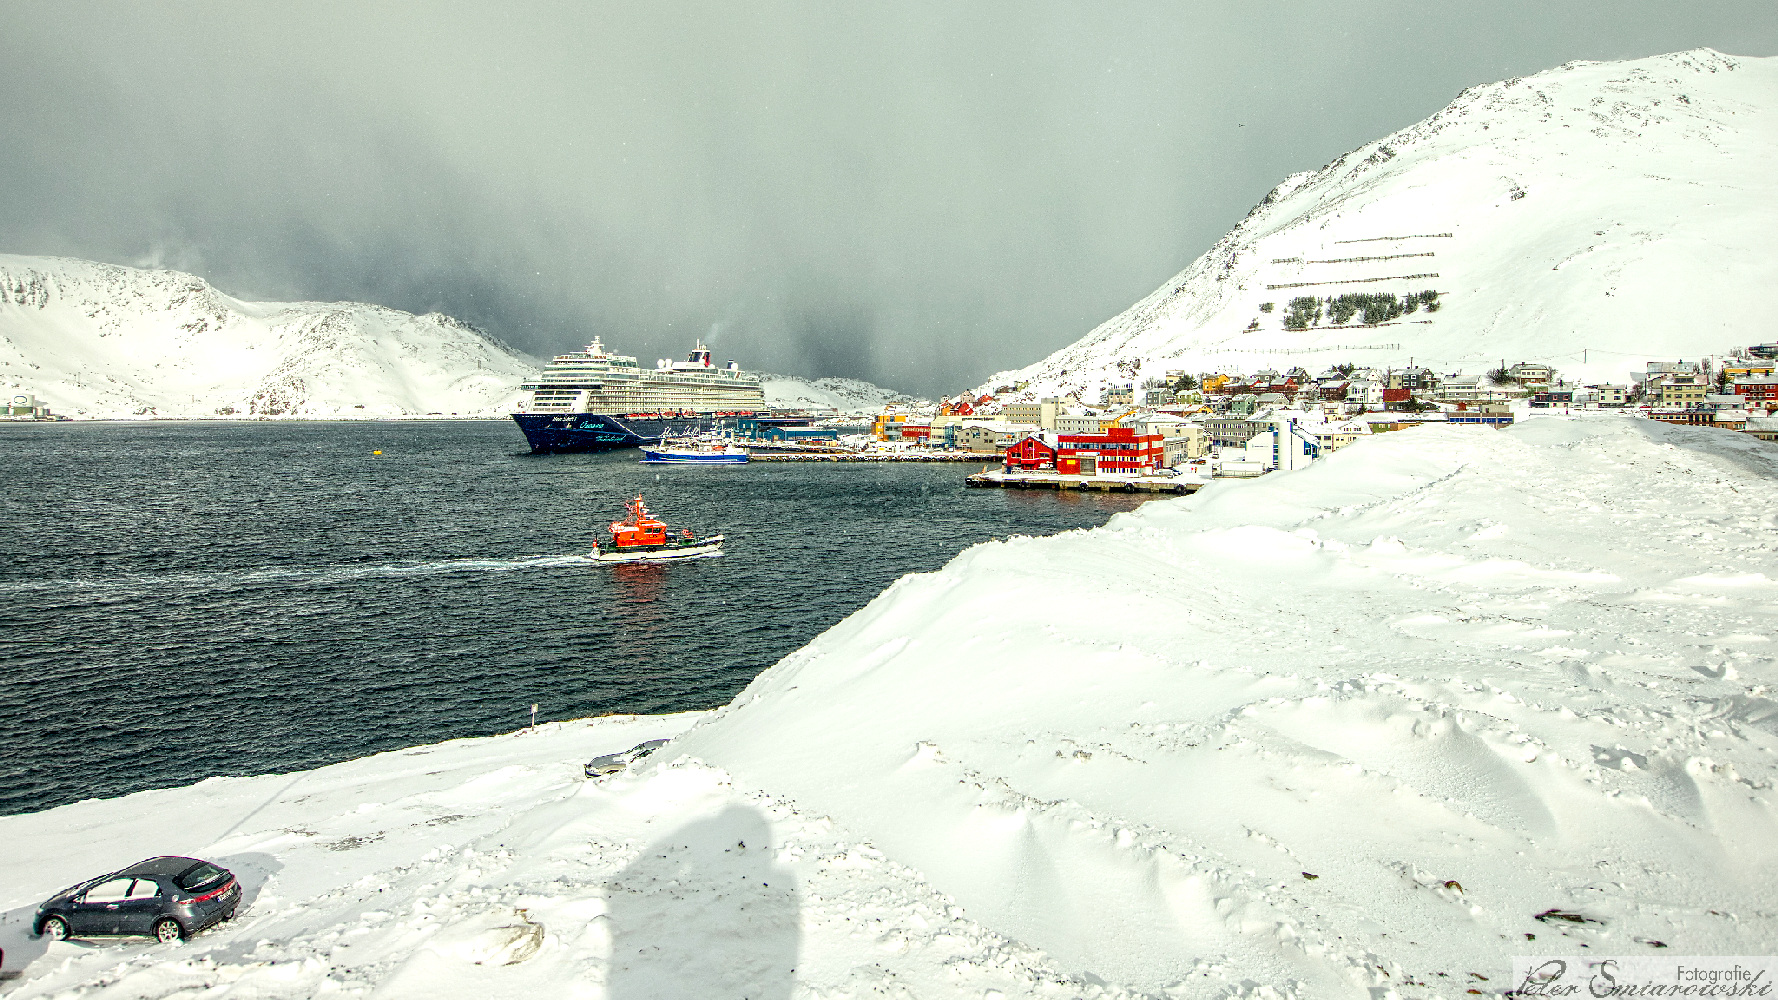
1744	369
1680	390
887	426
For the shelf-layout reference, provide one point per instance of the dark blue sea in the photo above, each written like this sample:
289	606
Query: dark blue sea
181	600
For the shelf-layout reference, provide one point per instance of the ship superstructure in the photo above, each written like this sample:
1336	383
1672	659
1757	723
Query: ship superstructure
592	400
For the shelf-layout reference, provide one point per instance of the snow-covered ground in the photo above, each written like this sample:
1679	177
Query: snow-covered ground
98	340
848	395
1346	731
1592	216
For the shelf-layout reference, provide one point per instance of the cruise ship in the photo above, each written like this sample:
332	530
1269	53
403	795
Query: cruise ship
594	401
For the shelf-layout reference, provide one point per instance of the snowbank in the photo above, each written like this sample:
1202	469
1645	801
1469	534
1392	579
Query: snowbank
1459	676
97	340
1341	730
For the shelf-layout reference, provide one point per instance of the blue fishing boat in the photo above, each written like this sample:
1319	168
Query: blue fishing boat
695	455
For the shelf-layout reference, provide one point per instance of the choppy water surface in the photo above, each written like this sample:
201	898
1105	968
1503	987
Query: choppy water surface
184	600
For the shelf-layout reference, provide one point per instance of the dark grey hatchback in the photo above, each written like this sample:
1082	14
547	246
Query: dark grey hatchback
164	898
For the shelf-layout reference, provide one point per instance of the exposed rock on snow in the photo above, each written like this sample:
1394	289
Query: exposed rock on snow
100	340
1462	677
843	394
1626	208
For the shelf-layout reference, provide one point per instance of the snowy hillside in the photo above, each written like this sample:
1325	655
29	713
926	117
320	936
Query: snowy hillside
1362	730
843	394
99	340
1626	210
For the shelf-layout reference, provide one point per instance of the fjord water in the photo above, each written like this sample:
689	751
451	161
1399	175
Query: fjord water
181	600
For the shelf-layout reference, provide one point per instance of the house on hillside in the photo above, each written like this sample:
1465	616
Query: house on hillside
1683	390
1553	396
1757	390
1531	373
1414	378
1609	394
1364	394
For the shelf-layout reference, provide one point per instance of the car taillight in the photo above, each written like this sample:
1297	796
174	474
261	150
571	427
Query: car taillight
206	897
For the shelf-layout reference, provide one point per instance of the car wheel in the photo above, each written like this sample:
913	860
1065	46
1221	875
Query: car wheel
55	928
167	930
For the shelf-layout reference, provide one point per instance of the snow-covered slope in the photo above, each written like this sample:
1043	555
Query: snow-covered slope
100	340
1342	732
843	394
1627	210
1347	728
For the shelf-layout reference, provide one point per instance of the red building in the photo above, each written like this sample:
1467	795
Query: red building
1032	453
917	433
1760	389
1118	449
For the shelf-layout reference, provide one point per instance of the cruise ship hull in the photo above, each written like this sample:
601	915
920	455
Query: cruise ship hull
562	433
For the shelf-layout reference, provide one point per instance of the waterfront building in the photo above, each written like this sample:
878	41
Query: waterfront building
1117	449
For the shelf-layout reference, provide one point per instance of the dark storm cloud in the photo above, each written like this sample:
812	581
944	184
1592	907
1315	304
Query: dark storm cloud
917	193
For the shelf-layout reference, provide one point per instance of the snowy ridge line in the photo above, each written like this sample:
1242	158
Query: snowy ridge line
1422	236
1350	281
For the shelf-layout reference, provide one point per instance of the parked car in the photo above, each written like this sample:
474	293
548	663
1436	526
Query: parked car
612	763
168	899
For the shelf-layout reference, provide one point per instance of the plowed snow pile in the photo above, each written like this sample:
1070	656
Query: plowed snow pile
1448	696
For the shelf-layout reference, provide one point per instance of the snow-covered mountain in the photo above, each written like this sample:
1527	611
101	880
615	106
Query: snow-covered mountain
1591	216
100	340
843	394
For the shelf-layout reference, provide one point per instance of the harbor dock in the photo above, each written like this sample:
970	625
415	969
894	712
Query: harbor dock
863	456
1107	483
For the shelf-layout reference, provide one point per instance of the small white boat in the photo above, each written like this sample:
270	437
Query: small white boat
694	454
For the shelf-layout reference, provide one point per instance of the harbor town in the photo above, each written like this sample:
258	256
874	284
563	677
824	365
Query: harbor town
1176	432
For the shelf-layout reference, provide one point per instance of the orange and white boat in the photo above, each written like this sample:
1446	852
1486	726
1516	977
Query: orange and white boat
645	538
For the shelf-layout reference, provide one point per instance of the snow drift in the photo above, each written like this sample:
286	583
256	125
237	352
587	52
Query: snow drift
1591	216
1365	729
100	340
1352	727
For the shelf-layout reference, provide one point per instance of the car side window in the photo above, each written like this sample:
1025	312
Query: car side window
145	888
116	890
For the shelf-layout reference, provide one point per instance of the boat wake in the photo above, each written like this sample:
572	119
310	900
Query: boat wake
316	576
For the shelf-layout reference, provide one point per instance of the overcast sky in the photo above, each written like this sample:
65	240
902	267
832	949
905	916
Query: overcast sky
915	193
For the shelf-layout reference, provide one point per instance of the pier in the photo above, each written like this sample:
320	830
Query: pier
1105	483
866	456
